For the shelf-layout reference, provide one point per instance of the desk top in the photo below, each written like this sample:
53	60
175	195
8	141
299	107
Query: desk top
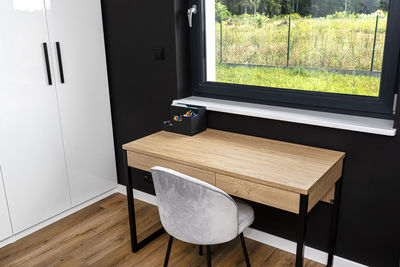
279	164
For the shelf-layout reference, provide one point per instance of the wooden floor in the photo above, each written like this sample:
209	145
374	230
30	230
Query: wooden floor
99	236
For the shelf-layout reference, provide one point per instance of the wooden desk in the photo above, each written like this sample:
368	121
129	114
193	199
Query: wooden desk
286	176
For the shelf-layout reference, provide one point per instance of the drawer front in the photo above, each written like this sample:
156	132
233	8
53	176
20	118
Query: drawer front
142	181
144	162
263	194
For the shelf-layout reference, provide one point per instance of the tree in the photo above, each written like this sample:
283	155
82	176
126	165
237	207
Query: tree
287	7
256	3
363	6
305	8
233	6
246	4
250	4
384	5
322	8
270	7
221	12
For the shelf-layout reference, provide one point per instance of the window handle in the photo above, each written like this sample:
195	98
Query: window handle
190	12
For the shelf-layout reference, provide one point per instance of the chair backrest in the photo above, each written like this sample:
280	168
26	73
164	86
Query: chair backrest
192	210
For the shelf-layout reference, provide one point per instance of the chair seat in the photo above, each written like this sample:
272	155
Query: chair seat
246	215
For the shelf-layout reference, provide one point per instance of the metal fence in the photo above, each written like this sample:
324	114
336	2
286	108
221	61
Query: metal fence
348	45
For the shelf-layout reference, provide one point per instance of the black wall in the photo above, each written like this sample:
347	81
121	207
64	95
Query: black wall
369	224
142	89
142	86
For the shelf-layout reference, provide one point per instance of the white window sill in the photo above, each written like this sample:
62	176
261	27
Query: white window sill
318	118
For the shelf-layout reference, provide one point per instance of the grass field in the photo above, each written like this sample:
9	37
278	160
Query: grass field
300	79
338	43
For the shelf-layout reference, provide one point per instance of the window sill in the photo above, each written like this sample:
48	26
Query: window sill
317	118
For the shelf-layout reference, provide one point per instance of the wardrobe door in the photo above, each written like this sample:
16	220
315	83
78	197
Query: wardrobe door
76	34
5	223
31	148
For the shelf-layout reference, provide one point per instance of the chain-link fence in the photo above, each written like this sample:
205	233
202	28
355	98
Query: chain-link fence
337	44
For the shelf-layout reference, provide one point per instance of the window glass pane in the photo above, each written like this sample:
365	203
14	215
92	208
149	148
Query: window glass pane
331	46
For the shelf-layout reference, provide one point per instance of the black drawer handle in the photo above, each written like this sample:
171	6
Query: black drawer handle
148	179
60	64
46	58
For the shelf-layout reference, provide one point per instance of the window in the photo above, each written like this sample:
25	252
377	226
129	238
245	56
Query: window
333	55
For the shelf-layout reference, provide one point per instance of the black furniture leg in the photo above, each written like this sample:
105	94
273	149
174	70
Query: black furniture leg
131	209
200	250
334	222
246	256
168	251
208	255
131	206
302	226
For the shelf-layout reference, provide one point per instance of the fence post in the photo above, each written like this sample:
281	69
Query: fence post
220	41
288	43
373	49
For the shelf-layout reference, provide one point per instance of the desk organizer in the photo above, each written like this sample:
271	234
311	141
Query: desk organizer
186	125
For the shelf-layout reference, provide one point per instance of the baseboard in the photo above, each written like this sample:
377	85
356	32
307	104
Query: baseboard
265	238
139	195
7	241
57	217
290	246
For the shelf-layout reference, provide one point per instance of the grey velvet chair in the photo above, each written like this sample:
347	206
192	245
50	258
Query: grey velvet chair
198	213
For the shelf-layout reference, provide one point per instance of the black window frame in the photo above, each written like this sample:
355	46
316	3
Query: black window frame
380	107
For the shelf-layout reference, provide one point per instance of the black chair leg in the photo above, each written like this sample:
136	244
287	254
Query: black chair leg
200	250
246	256
168	251
208	255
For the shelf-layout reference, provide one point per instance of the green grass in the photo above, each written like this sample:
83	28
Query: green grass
300	79
345	43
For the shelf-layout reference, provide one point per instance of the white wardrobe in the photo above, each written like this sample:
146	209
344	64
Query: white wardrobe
56	141
5	224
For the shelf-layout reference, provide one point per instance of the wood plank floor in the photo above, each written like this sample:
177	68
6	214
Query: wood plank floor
99	236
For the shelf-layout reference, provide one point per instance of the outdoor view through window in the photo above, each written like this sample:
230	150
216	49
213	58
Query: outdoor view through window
333	46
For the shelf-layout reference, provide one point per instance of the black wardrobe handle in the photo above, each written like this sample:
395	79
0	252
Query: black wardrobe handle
60	64
46	57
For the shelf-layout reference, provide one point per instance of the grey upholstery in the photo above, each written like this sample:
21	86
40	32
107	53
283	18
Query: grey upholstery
197	212
246	215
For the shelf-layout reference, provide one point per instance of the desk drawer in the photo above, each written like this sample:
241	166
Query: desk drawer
263	194
144	162
142	181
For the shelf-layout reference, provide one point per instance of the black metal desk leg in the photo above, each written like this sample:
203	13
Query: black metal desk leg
131	209
131	206
334	222
302	226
